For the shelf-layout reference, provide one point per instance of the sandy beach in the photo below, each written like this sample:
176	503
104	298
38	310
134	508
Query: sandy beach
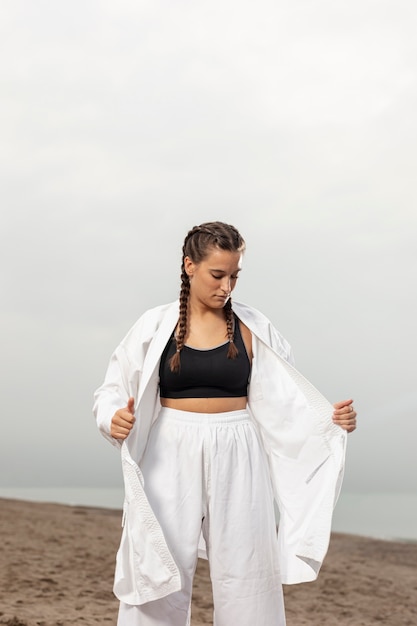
57	564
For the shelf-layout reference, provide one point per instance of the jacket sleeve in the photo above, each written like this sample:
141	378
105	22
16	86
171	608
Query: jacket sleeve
114	393
124	373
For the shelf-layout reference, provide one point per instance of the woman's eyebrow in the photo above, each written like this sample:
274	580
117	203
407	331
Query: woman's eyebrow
212	269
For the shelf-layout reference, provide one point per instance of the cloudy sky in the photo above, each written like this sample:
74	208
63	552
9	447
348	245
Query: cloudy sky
123	124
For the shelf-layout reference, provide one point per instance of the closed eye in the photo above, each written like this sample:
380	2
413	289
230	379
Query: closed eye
234	277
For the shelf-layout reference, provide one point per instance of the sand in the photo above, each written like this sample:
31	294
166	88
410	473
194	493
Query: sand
57	563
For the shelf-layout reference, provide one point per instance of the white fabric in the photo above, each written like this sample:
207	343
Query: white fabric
305	452
210	472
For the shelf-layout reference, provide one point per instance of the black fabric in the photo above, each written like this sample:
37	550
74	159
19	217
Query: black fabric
206	373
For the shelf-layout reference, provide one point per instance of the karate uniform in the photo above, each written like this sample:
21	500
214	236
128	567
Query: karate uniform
294	454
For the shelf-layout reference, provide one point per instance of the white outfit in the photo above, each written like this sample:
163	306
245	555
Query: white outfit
221	487
304	449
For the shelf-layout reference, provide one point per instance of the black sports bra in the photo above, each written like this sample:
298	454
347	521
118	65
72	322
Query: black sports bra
206	373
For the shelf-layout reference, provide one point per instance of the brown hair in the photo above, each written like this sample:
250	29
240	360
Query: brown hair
197	245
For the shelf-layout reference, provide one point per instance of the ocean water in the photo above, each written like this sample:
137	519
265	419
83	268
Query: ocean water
390	516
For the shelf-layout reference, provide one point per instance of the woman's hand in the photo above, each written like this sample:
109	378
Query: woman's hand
123	420
345	415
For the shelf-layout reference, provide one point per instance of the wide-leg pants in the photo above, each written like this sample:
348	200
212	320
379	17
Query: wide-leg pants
209	473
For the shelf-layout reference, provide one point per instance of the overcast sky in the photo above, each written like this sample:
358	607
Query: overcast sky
123	124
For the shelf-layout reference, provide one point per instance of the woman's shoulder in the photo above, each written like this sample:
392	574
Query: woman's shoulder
262	327
251	317
158	312
148	323
245	310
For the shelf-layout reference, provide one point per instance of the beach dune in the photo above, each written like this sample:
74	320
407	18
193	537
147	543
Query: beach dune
57	564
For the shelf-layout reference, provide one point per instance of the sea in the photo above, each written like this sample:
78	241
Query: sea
388	516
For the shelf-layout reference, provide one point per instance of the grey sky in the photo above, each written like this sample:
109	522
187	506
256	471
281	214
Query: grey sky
124	124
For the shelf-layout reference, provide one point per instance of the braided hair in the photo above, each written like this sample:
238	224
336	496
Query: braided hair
197	244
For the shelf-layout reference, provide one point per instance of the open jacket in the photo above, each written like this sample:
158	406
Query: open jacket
305	450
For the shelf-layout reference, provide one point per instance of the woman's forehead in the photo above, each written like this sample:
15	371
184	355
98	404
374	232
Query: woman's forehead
222	259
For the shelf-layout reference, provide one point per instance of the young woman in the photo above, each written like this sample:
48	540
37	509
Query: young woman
214	425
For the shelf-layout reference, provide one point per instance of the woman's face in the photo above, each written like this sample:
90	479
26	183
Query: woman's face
213	280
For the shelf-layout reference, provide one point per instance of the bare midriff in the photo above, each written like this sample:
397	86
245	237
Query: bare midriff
205	405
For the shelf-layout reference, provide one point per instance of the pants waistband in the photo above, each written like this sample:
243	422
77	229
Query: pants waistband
189	417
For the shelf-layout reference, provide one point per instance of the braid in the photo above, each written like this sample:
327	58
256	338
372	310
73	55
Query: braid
197	244
175	360
232	351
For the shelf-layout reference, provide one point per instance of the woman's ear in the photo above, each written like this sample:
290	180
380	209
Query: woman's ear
188	266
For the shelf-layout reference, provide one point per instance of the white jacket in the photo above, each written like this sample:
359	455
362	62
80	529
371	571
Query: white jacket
305	450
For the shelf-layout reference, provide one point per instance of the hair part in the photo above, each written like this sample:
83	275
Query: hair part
198	243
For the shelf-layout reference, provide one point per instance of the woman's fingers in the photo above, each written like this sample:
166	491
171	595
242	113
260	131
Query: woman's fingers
123	421
344	415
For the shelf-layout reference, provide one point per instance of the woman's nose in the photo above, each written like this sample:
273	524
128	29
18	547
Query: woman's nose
226	285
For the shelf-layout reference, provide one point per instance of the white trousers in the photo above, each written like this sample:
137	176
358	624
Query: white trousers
209	473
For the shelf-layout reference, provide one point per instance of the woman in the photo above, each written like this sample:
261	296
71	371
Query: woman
214	424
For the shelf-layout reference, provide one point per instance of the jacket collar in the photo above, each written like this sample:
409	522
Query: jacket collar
157	345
